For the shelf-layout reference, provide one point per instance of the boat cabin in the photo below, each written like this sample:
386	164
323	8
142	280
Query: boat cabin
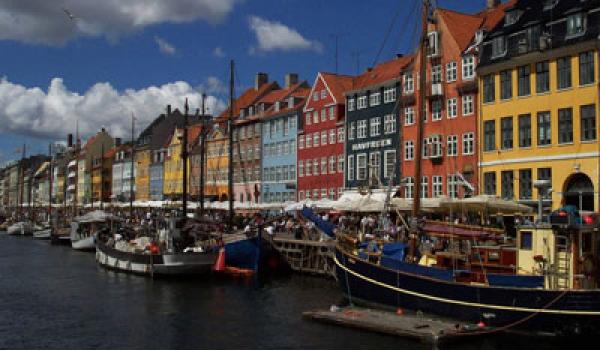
565	251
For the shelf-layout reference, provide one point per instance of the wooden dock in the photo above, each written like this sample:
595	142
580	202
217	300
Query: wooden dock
306	256
406	325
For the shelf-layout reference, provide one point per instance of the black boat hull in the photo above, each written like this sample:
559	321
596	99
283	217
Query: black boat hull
515	309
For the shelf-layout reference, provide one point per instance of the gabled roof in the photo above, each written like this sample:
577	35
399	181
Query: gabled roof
337	85
492	17
462	27
248	98
299	90
382	72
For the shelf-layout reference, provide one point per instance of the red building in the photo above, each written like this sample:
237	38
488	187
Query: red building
449	150
321	139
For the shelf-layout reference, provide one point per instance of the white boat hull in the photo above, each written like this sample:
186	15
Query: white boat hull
87	244
42	234
19	228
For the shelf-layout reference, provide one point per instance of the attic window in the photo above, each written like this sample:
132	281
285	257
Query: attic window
499	46
576	25
512	17
291	102
548	4
277	106
433	44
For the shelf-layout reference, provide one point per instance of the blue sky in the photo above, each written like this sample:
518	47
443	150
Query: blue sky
111	64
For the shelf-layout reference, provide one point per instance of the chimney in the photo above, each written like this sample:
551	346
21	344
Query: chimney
168	110
117	141
70	140
291	79
492	4
261	79
103	130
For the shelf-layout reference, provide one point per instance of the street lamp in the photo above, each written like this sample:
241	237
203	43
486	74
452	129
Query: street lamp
544	188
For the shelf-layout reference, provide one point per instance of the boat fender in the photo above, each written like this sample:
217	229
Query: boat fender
220	263
154	249
399	312
481	324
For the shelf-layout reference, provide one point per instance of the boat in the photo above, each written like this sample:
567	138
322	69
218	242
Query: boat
85	227
43	232
20	228
60	236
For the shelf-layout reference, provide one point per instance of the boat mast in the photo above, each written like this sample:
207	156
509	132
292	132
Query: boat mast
423	110
230	165
21	187
184	157
131	178
203	134
50	170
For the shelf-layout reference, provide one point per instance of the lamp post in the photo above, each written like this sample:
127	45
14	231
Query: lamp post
543	187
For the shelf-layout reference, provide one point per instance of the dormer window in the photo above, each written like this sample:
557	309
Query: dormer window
576	25
498	46
242	113
291	101
548	4
277	106
433	44
250	110
512	17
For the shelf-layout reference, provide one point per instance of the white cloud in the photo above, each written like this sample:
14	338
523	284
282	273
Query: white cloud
272	36
43	21
218	52
53	113
214	86
165	46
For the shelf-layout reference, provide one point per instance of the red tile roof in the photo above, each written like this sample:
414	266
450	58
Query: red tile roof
338	84
382	72
299	90
249	97
462	27
494	16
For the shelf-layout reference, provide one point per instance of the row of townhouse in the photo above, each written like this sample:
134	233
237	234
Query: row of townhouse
511	96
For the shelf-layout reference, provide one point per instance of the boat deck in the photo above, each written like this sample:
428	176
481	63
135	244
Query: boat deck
305	256
406	325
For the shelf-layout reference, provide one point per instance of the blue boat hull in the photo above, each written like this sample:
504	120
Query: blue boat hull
244	254
515	309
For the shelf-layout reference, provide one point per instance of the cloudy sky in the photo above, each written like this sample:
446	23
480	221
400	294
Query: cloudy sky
93	63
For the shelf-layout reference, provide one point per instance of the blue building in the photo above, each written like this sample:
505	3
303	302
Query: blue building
157	174
279	137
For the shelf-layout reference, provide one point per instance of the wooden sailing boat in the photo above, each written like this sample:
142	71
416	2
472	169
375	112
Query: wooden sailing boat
542	294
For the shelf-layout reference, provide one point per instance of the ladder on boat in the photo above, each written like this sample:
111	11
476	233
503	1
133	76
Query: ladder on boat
562	263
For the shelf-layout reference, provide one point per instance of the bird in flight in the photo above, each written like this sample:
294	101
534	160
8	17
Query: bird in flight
68	13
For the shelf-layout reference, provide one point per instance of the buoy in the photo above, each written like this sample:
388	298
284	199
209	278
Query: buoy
220	263
399	312
481	324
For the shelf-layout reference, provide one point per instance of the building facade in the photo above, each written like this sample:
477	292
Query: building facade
321	138
539	104
217	165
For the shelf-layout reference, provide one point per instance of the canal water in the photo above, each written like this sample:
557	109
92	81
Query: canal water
56	298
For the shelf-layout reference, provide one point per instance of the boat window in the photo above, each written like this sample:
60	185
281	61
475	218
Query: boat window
526	240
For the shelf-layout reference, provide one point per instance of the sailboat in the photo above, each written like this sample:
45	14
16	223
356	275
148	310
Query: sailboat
533	284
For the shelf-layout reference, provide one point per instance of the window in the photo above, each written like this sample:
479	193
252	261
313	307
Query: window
300	168
409	150
588	123
323	94
425	148
544	129
332	164
332	136
511	17
467	105
323	165
507	132
436	74
316	96
324	115
507	184
545	174
526	241
525	130
542	77
433	44
436	146
375	99
361	166
351	104
451	72
452	143
525	184
323	138
308	141
524	81
308	167
361	129
308	119
565	125
424	187
576	25
352	131
489	88
506	84
564	72
468	67
316	139
375	126
452	108
375	165
586	68
389	95
468	143
489	138
315	117
453	186
409	84
409	187
548	4
340	134
436	110
389	159
316	167
498	46
286	127
340	164
362	102
489	183
389	124
332	113
409	116
437	185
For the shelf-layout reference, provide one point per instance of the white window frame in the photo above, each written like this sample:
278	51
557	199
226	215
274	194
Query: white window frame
300	168
437	186
389	124
468	67
351	104
389	155
409	187
361	102
332	136
324	138
375	126
375	99
436	113
468	143
351	172
361	129
451	72
452	107
409	83
452	145
409	150
389	95
409	116
341	134
361	166
467	105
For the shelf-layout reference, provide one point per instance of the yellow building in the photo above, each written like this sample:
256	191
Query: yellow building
172	186
142	172
217	165
538	99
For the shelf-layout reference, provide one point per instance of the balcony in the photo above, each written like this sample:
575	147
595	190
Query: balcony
436	90
467	87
